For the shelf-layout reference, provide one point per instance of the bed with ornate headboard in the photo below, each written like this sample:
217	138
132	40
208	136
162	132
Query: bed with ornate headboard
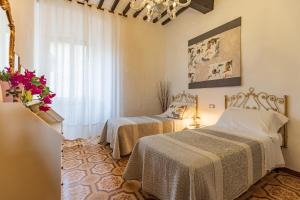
217	162
261	101
123	133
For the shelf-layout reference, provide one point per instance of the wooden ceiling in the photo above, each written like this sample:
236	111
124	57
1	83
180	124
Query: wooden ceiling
122	7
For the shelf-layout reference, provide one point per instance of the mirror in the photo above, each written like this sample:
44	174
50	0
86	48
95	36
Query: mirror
4	41
7	36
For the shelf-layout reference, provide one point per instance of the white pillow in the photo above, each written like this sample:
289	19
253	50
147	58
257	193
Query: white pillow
250	120
278	122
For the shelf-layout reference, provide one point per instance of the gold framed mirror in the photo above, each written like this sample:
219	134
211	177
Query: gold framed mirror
4	4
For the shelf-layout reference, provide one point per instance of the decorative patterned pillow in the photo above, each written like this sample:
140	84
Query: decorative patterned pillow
176	111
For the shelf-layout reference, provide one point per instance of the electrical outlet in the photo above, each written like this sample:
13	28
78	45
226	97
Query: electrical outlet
212	106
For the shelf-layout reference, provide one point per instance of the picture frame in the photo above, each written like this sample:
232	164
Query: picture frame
215	57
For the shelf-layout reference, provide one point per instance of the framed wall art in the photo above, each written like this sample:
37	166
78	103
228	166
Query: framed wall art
215	57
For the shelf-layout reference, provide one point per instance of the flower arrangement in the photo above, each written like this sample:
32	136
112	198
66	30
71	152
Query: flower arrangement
25	87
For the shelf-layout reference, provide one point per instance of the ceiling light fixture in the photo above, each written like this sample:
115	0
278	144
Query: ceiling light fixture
155	8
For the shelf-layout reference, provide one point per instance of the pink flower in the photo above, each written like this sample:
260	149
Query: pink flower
43	80
29	75
47	100
35	90
16	79
44	108
26	81
52	95
27	85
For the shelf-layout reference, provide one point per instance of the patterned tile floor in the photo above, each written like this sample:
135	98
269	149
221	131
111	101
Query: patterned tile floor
90	173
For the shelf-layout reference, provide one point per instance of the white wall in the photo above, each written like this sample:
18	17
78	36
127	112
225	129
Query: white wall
143	66
270	56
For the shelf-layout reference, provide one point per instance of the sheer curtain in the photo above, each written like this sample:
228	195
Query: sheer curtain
77	49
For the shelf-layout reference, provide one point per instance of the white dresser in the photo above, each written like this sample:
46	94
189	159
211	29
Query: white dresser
30	154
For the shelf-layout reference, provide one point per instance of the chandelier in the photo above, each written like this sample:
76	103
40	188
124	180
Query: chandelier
155	8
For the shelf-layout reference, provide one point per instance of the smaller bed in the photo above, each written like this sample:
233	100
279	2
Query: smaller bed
123	133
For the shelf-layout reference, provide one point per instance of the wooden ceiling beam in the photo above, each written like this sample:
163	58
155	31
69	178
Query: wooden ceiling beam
114	6
161	16
203	6
125	11
101	2
87	3
82	3
79	2
181	10
138	12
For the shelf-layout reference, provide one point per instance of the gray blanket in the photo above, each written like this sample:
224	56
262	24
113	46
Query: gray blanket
123	133
196	164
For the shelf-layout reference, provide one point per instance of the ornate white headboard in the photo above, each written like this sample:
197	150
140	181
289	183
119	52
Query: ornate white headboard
260	101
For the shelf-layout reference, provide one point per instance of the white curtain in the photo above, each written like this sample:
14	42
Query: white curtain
77	49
